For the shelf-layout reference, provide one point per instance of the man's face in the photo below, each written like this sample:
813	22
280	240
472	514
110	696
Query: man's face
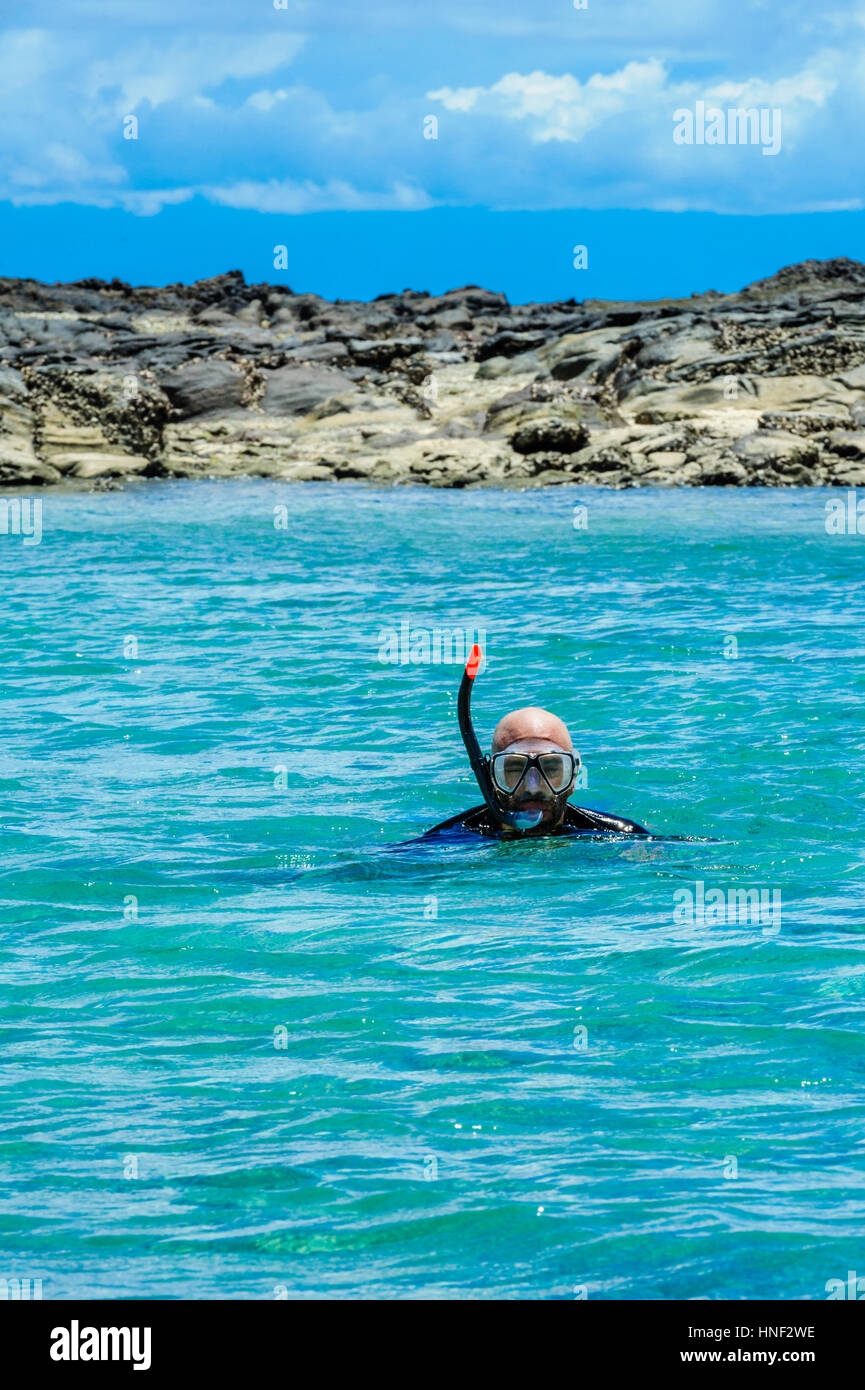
534	795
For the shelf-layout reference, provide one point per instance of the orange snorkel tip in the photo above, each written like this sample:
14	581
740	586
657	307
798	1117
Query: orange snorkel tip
476	656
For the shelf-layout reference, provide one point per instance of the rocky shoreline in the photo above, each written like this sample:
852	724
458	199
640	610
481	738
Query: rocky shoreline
102	383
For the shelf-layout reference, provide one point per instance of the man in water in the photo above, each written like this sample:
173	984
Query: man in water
532	768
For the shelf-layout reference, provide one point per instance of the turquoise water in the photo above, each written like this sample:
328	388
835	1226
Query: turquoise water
249	1049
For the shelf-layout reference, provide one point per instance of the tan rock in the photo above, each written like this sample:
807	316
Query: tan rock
709	403
766	446
17	454
847	473
667	459
60	434
848	443
98	465
653	440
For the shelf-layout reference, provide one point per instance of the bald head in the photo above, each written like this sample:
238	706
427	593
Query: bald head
531	723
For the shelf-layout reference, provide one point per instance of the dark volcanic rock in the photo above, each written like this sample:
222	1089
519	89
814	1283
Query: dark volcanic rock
762	387
318	352
382	352
297	390
204	387
12	384
510	344
218	287
441	342
550	436
452	320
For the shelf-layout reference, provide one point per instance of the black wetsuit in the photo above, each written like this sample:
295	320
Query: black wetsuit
578	820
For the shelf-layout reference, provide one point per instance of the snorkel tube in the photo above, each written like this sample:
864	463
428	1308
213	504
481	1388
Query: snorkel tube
480	765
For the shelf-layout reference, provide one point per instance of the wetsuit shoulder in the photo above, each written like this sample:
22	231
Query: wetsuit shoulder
477	819
583	818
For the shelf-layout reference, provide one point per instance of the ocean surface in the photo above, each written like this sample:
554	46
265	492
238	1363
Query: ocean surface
253	1049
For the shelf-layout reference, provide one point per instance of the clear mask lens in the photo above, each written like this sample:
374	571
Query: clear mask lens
509	770
557	770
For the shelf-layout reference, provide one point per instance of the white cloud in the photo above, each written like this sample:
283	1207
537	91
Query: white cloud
286	196
563	108
61	111
65	166
228	116
153	200
280	196
265	101
155	74
463	99
551	140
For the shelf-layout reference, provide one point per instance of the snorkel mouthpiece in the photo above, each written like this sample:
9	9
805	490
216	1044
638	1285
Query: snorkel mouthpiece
521	820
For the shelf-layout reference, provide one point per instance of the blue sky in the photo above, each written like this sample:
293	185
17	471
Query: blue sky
304	125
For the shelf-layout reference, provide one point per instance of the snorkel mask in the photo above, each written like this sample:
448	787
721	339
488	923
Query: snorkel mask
508	770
